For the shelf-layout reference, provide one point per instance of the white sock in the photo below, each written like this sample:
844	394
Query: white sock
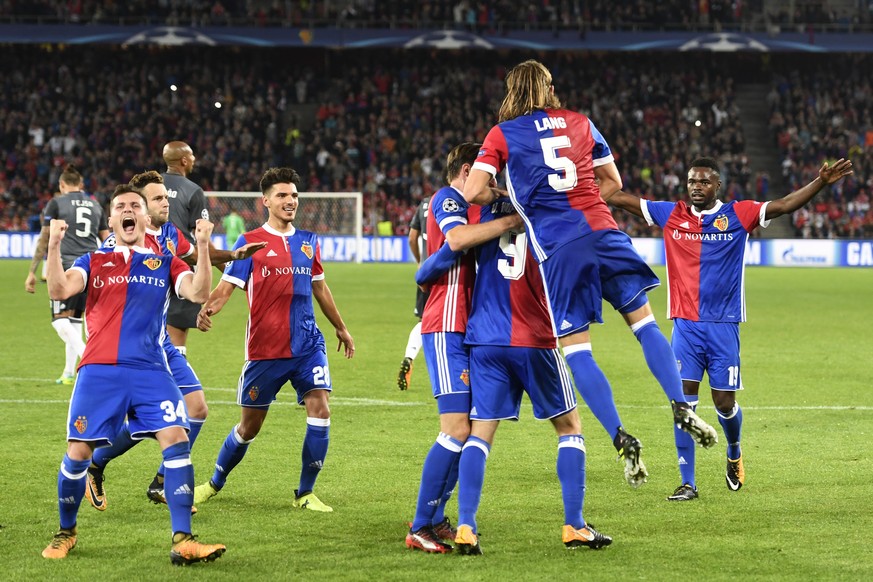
74	345
413	345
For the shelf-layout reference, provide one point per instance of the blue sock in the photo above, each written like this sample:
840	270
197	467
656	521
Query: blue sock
314	452
196	424
593	387
571	474
122	443
179	485
232	452
434	475
659	357
451	481
732	423
71	489
686	451
471	468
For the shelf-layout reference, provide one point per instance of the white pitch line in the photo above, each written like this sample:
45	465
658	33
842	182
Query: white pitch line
352	401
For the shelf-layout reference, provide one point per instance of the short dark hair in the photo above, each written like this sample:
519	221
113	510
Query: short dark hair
143	179
71	176
127	189
463	153
275	176
705	163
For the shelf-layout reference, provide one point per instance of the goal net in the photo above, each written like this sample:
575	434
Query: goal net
328	214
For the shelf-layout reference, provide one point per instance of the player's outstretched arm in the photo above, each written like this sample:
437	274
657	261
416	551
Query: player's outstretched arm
627	202
467	236
827	175
61	285
218	257
322	294
38	254
608	179
217	299
196	288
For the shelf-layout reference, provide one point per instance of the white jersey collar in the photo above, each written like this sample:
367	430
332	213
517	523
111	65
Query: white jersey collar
713	210
272	230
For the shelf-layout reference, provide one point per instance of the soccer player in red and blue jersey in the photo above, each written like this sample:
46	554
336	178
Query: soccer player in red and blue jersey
124	370
450	220
164	238
705	244
283	342
513	351
557	166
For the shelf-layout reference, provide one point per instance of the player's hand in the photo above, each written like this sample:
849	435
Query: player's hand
831	174
248	250
30	283
203	230
345	341
204	319
516	224
57	230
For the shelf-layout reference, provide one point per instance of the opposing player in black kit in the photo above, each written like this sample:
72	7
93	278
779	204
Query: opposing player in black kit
88	228
187	205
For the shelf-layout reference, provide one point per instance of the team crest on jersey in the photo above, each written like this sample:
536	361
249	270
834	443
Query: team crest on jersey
171	247
307	249
720	222
152	263
465	377
253	392
81	424
450	205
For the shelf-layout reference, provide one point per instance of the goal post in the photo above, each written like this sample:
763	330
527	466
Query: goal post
328	214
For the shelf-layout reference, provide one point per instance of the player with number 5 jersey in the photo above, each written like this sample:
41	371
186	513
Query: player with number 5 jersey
283	342
557	168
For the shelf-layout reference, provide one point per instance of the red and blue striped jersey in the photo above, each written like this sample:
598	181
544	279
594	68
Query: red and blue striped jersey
448	306
278	283
509	300
706	256
128	293
549	157
167	240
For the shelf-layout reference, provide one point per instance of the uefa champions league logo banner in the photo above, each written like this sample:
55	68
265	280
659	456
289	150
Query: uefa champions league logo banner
436	39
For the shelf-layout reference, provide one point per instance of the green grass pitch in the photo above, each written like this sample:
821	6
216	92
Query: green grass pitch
803	513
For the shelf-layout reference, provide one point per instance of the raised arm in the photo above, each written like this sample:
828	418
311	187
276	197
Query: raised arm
219	257
61	284
827	175
38	254
324	297
627	202
196	288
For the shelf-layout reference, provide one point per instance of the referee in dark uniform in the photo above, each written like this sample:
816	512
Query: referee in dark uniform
187	205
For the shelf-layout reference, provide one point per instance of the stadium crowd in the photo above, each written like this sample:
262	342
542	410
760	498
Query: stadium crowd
351	123
826	112
474	15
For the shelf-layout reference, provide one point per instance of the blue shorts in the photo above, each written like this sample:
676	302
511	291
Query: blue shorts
501	375
713	347
261	380
448	362
105	394
182	371
581	274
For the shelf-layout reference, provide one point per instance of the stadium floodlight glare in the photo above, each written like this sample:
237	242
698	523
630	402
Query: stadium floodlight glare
218	104
173	88
697	123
